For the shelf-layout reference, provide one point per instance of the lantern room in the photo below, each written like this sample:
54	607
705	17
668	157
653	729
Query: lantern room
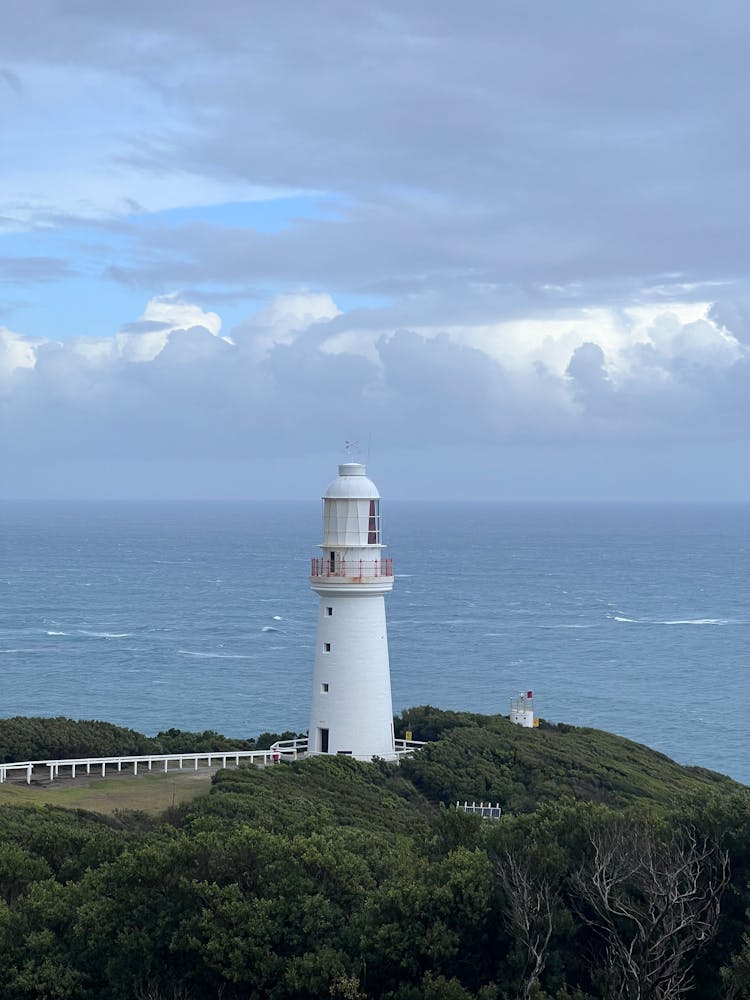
351	510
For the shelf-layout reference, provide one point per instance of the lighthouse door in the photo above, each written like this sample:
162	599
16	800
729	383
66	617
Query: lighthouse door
323	740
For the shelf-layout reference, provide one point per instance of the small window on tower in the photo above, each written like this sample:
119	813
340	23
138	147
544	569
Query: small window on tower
326	647
324	688
373	523
329	611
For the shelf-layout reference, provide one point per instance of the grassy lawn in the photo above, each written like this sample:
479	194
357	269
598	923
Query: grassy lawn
150	792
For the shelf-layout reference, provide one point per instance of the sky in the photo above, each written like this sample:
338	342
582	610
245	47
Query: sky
502	247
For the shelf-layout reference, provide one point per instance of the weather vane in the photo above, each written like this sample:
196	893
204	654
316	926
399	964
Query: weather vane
350	447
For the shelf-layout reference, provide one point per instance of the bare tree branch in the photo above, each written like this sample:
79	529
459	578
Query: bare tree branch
654	902
530	900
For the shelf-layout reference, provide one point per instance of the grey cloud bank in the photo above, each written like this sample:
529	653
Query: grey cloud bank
666	416
526	261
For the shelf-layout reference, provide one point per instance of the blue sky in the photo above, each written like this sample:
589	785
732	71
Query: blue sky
87	254
514	244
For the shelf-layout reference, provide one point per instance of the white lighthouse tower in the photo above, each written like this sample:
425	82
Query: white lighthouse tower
351	709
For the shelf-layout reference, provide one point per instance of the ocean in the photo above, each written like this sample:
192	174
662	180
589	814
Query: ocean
631	618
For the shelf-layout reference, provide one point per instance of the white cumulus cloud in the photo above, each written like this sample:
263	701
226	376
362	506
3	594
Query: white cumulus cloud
169	387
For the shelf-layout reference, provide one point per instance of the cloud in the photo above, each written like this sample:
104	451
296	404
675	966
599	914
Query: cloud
283	319
531	231
16	351
591	385
170	312
11	80
32	270
733	315
178	390
533	146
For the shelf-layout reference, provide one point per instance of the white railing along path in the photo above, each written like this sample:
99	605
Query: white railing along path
281	750
298	747
143	760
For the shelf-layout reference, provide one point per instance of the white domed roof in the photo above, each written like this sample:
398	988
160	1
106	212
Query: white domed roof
352	484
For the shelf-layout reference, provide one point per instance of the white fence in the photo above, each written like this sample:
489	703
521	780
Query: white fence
484	809
281	750
406	747
28	767
289	749
298	747
147	761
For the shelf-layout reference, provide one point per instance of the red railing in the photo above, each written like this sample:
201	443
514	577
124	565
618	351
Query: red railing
352	569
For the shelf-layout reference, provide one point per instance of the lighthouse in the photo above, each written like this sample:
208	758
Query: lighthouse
351	710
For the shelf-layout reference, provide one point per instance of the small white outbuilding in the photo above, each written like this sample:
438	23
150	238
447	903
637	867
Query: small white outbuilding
522	710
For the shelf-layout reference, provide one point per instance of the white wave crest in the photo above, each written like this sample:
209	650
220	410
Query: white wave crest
104	635
214	656
49	632
680	621
701	621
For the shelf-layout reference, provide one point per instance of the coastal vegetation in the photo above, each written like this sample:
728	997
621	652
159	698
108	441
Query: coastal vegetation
37	738
613	872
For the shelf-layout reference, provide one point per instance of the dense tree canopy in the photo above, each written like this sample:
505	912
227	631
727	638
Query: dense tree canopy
612	873
55	739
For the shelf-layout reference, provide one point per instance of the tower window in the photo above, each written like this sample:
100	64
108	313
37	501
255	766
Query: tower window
332	561
329	611
326	647
324	689
373	523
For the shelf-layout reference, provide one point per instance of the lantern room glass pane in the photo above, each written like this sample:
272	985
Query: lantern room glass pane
373	523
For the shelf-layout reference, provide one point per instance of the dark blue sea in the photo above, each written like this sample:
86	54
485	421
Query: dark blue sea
629	618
